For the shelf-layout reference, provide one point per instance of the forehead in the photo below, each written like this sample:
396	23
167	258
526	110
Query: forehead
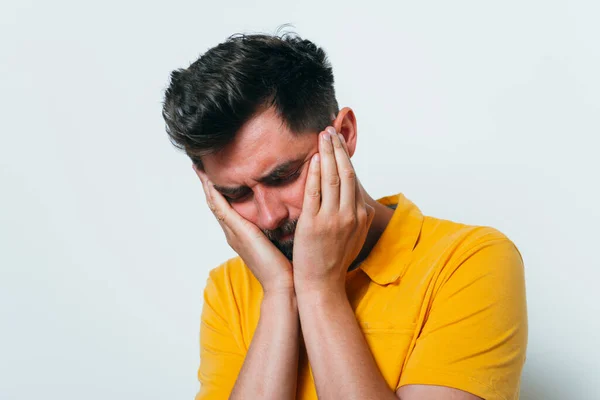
261	144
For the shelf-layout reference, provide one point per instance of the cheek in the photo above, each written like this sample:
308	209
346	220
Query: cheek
247	210
296	195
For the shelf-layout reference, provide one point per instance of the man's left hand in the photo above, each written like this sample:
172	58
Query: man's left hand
334	221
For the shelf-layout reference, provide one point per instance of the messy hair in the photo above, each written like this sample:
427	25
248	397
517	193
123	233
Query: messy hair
208	102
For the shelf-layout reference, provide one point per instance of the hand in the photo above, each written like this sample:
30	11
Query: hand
268	264
334	221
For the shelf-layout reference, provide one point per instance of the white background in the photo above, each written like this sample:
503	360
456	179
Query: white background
481	112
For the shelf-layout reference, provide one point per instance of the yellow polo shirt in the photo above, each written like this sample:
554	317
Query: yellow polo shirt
439	303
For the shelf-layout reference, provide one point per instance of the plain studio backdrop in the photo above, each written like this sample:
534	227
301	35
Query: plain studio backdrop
486	113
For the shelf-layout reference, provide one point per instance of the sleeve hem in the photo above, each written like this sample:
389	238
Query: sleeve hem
450	379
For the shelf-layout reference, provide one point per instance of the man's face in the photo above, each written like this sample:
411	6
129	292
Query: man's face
262	174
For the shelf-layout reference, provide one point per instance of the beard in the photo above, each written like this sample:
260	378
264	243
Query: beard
285	246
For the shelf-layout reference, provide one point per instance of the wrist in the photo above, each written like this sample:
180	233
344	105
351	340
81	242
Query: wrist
320	290
320	301
320	286
279	299
280	286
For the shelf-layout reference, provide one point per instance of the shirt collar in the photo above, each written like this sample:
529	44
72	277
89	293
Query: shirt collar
387	261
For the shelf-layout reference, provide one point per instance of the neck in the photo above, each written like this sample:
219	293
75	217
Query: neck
383	215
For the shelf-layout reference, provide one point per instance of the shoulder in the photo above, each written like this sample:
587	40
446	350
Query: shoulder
232	284
438	229
233	274
455	242
231	270
448	251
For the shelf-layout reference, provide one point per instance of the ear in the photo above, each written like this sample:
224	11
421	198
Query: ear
345	124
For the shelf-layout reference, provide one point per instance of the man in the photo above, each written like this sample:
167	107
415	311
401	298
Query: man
334	294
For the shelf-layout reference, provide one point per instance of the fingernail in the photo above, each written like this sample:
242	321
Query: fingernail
326	136
331	130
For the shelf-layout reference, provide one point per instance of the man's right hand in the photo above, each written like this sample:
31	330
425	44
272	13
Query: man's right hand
272	269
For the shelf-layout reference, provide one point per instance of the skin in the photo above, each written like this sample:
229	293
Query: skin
336	225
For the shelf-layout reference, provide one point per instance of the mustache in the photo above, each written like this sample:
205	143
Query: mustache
285	229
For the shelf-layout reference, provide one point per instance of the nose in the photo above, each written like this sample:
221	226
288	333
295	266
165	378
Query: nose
272	212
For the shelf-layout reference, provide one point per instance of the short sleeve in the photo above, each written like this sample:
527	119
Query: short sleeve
475	336
221	356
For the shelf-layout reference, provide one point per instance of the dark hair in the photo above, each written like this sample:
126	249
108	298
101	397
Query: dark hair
208	102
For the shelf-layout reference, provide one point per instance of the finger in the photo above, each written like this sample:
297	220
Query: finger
221	207
330	180
360	199
346	174
211	204
312	189
203	178
216	202
344	144
358	192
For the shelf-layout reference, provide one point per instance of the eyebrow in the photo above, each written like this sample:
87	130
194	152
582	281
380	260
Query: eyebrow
271	176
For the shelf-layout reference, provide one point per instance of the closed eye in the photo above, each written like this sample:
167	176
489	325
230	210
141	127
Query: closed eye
279	177
235	200
271	182
283	180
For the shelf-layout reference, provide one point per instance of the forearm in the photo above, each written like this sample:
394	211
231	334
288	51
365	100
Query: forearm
342	364
271	365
